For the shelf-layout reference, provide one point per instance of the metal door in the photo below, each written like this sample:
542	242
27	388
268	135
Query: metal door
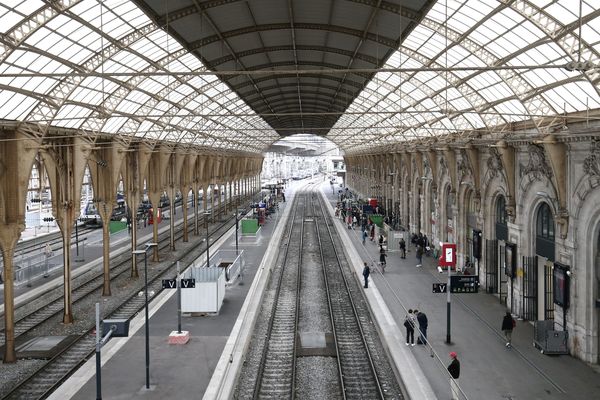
503	287
491	266
529	286
548	298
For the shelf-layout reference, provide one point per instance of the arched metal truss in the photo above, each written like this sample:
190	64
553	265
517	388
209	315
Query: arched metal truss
431	93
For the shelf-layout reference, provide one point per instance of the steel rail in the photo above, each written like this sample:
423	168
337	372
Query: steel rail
260	384
43	386
351	303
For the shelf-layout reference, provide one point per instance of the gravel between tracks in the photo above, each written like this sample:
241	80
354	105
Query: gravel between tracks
83	311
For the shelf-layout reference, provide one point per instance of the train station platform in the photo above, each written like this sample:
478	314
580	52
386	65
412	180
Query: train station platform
181	371
489	370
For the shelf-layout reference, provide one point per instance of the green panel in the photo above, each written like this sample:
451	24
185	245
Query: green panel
249	226
377	220
116	226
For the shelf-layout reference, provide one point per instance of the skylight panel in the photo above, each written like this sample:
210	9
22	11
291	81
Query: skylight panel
564	12
495	92
13	106
435	45
511	110
71	116
474	120
8	19
27	7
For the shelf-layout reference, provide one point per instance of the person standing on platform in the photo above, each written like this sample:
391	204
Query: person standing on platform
454	370
382	256
508	324
419	255
422	320
409	323
366	273
372	232
402	248
364	235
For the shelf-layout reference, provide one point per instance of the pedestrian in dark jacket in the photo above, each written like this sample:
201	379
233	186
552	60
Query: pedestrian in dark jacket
382	256
419	255
409	323
366	273
508	324
422	320
454	370
402	248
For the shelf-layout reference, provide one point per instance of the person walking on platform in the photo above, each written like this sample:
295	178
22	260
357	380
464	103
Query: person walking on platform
419	255
409	323
372	232
382	257
364	236
422	320
508	324
366	273
454	370
402	248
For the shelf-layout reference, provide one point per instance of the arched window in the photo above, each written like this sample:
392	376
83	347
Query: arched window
501	226
501	210
545	223
544	235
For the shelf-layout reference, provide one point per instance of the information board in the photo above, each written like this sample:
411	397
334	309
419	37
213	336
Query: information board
464	284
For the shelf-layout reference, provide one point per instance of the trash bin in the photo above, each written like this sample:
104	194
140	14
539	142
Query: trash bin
548	340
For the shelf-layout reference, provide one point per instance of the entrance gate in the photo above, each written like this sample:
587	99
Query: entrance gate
529	286
495	279
491	266
548	297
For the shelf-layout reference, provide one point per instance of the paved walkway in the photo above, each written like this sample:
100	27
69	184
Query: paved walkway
488	369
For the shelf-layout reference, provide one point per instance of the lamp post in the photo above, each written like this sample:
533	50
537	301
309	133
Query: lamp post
237	220
145	253
206	215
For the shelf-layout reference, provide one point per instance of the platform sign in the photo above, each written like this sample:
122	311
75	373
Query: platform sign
440	287
188	283
169	283
464	284
172	283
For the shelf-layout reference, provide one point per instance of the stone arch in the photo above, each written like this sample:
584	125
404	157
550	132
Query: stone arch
415	206
444	191
539	191
496	186
586	280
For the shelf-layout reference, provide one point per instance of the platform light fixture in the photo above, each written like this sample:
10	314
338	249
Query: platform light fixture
145	253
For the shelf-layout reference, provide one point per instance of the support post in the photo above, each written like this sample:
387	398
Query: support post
448	308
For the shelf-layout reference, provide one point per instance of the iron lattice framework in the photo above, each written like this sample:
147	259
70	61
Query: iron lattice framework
364	73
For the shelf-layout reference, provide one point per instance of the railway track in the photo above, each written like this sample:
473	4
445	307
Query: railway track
46	378
362	372
355	363
277	371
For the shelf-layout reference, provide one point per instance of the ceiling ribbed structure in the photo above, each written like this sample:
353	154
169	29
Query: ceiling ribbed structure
292	35
239	75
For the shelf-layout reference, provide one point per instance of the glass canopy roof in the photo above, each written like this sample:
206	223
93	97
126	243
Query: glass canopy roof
105	67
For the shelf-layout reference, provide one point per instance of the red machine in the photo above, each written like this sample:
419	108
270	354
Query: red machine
448	256
151	216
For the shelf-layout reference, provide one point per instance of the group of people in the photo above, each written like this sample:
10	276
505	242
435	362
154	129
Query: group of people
414	319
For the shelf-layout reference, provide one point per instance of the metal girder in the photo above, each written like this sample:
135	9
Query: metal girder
357	85
269	49
379	39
